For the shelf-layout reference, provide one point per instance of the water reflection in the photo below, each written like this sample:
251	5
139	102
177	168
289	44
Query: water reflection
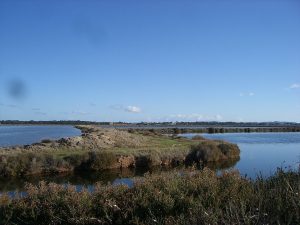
263	153
77	178
88	178
222	165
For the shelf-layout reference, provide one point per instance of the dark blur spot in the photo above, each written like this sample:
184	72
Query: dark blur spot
16	89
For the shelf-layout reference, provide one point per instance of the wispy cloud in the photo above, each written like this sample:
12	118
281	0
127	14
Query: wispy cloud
249	94
36	109
131	109
218	117
295	85
239	119
193	117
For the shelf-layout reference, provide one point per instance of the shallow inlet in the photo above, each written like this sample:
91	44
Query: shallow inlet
26	135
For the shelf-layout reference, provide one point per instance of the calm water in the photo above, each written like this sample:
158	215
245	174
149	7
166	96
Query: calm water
79	179
263	152
24	135
260	152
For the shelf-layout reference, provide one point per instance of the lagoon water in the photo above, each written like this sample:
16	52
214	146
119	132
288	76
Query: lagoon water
25	135
263	153
260	153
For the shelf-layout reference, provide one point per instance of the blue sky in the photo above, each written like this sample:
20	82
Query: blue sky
150	60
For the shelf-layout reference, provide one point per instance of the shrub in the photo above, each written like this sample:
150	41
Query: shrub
212	151
229	150
76	160
101	160
148	160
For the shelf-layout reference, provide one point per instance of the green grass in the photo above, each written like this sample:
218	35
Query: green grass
186	197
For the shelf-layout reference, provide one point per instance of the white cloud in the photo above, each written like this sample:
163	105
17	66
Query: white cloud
240	119
218	117
250	94
193	116
133	109
294	86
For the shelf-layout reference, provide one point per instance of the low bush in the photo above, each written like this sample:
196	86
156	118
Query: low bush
148	160
212	151
100	160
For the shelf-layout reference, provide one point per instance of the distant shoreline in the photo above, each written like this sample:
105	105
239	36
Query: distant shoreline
213	130
173	128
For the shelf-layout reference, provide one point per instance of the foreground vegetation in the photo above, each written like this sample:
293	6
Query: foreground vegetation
100	149
186	197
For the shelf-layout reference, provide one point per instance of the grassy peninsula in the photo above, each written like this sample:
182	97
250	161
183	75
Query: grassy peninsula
107	148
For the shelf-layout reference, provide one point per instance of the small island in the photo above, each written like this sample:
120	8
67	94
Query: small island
108	148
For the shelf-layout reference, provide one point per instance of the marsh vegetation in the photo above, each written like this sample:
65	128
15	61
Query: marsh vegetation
181	197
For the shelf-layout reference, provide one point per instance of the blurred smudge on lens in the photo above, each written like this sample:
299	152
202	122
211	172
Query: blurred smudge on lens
16	89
